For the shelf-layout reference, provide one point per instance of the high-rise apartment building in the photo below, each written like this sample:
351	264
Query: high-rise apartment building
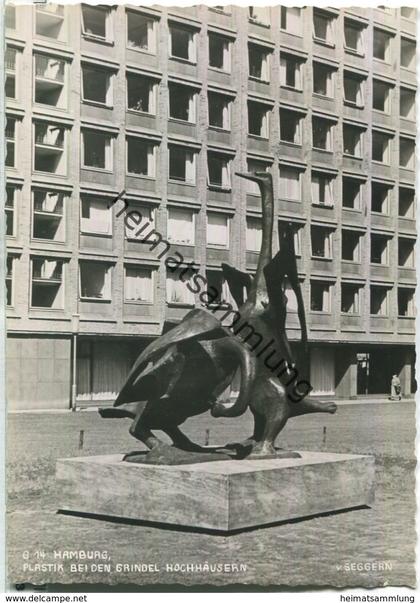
161	106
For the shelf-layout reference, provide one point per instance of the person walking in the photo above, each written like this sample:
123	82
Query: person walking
395	388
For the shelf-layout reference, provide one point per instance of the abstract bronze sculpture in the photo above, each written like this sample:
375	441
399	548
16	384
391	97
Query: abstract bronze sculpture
184	372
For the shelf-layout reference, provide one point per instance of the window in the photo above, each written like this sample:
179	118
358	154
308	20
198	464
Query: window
353	89
408	54
95	216
408	13
143	217
380	194
217	230
48	215
407	153
323	79
258	119
354	36
406	303
259	14
218	167
258	58
350	245
49	21
177	290
97	85
141	32
320	296
406	257
407	103
50	81
378	300
350	302
352	140
95	280
96	22
379	249
181	226
255	165
322	134
141	93
50	150
138	285
47	283
290	126
291	20
9	280
291	71
182	102
406	202
253	234
181	164
323	24
182	43
381	146
219	110
321	242
322	189
381	95
10	136
10	16
381	45
297	231
290	183
97	150
10	208
351	193
219	52
141	157
10	68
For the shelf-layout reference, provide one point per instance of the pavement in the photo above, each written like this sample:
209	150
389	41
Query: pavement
338	401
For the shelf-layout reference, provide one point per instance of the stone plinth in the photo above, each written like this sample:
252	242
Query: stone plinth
221	495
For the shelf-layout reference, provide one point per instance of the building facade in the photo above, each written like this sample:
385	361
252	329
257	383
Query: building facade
155	109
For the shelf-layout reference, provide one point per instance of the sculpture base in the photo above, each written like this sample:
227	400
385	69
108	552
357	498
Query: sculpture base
223	495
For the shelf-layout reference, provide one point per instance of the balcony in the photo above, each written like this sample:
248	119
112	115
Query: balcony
381	324
41	274
50	21
352	323
321	321
51	137
406	325
49	69
380	272
220	15
322	266
352	269
381	221
407	275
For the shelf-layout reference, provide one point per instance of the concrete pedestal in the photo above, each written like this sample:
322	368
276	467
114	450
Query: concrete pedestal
220	495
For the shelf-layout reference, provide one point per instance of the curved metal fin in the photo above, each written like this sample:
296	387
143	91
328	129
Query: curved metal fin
194	325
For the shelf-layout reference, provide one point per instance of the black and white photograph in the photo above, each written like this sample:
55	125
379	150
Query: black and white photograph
210	298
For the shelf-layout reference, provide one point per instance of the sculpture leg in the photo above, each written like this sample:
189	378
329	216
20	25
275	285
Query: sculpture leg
270	404
140	430
275	419
181	441
308	405
244	447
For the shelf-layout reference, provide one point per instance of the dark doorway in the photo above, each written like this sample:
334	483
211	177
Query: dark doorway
363	361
